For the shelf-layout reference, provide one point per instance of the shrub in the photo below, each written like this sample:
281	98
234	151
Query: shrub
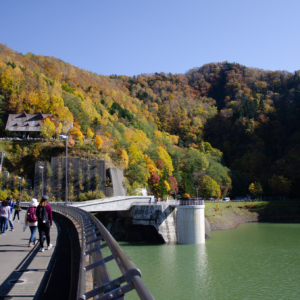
82	197
217	207
3	194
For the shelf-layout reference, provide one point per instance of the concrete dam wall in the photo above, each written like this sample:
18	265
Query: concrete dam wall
158	223
154	223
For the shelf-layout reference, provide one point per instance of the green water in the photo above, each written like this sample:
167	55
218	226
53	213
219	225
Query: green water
253	261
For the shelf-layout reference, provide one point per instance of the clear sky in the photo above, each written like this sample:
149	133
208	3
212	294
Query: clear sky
141	36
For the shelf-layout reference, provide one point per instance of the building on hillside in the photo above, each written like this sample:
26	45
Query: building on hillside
25	125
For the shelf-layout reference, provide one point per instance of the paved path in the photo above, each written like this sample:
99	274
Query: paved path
16	256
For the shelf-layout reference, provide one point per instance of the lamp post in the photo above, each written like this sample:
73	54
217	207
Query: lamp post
197	192
65	137
42	168
2	156
20	178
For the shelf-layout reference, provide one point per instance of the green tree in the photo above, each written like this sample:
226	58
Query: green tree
280	185
255	189
209	187
194	161
138	173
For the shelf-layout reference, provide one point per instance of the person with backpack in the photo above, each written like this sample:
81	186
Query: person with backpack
4	216
17	210
11	203
31	221
44	218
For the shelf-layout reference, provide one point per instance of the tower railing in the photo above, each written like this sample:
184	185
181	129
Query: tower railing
185	202
170	202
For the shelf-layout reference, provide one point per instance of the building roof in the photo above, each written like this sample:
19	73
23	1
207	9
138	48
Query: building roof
25	122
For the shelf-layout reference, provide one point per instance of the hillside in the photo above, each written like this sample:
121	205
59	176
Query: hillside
220	127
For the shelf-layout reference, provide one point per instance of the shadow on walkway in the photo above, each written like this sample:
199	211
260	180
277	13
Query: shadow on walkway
60	279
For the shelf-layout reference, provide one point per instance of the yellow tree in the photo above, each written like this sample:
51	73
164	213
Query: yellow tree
139	138
98	142
76	133
157	137
55	102
64	116
123	157
6	78
165	157
135	153
89	133
252	188
48	128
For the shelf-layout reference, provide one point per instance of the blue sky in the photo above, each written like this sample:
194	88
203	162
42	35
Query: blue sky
140	36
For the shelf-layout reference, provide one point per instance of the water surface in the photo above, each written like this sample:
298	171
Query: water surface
253	261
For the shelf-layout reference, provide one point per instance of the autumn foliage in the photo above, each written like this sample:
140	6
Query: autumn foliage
222	126
98	142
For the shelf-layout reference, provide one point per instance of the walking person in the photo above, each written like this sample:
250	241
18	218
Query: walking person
4	216
44	217
11	203
31	221
17	210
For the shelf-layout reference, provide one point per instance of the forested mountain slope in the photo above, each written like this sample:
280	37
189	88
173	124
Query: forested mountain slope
170	130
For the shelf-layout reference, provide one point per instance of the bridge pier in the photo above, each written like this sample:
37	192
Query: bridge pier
190	224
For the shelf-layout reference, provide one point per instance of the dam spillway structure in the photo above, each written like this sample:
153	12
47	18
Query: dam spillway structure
134	218
191	224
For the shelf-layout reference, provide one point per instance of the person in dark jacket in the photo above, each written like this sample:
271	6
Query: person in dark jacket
44	217
17	210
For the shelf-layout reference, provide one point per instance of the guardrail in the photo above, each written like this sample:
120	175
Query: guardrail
185	202
171	202
92	235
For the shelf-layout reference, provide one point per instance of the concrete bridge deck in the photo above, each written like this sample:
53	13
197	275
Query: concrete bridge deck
119	203
16	256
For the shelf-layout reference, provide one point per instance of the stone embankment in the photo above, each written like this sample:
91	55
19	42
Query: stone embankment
229	219
230	214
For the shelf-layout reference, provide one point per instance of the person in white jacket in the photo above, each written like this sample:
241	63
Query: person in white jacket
31	221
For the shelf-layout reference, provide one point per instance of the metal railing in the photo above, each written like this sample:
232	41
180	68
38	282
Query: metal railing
185	202
170	202
93	233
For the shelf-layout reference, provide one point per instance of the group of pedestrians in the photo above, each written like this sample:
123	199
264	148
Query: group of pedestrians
38	216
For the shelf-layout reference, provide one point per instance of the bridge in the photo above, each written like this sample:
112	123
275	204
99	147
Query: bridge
27	273
120	203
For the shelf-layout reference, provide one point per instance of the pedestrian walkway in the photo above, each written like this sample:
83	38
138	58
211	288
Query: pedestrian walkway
23	270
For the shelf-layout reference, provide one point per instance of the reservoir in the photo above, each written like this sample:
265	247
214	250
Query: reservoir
252	261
